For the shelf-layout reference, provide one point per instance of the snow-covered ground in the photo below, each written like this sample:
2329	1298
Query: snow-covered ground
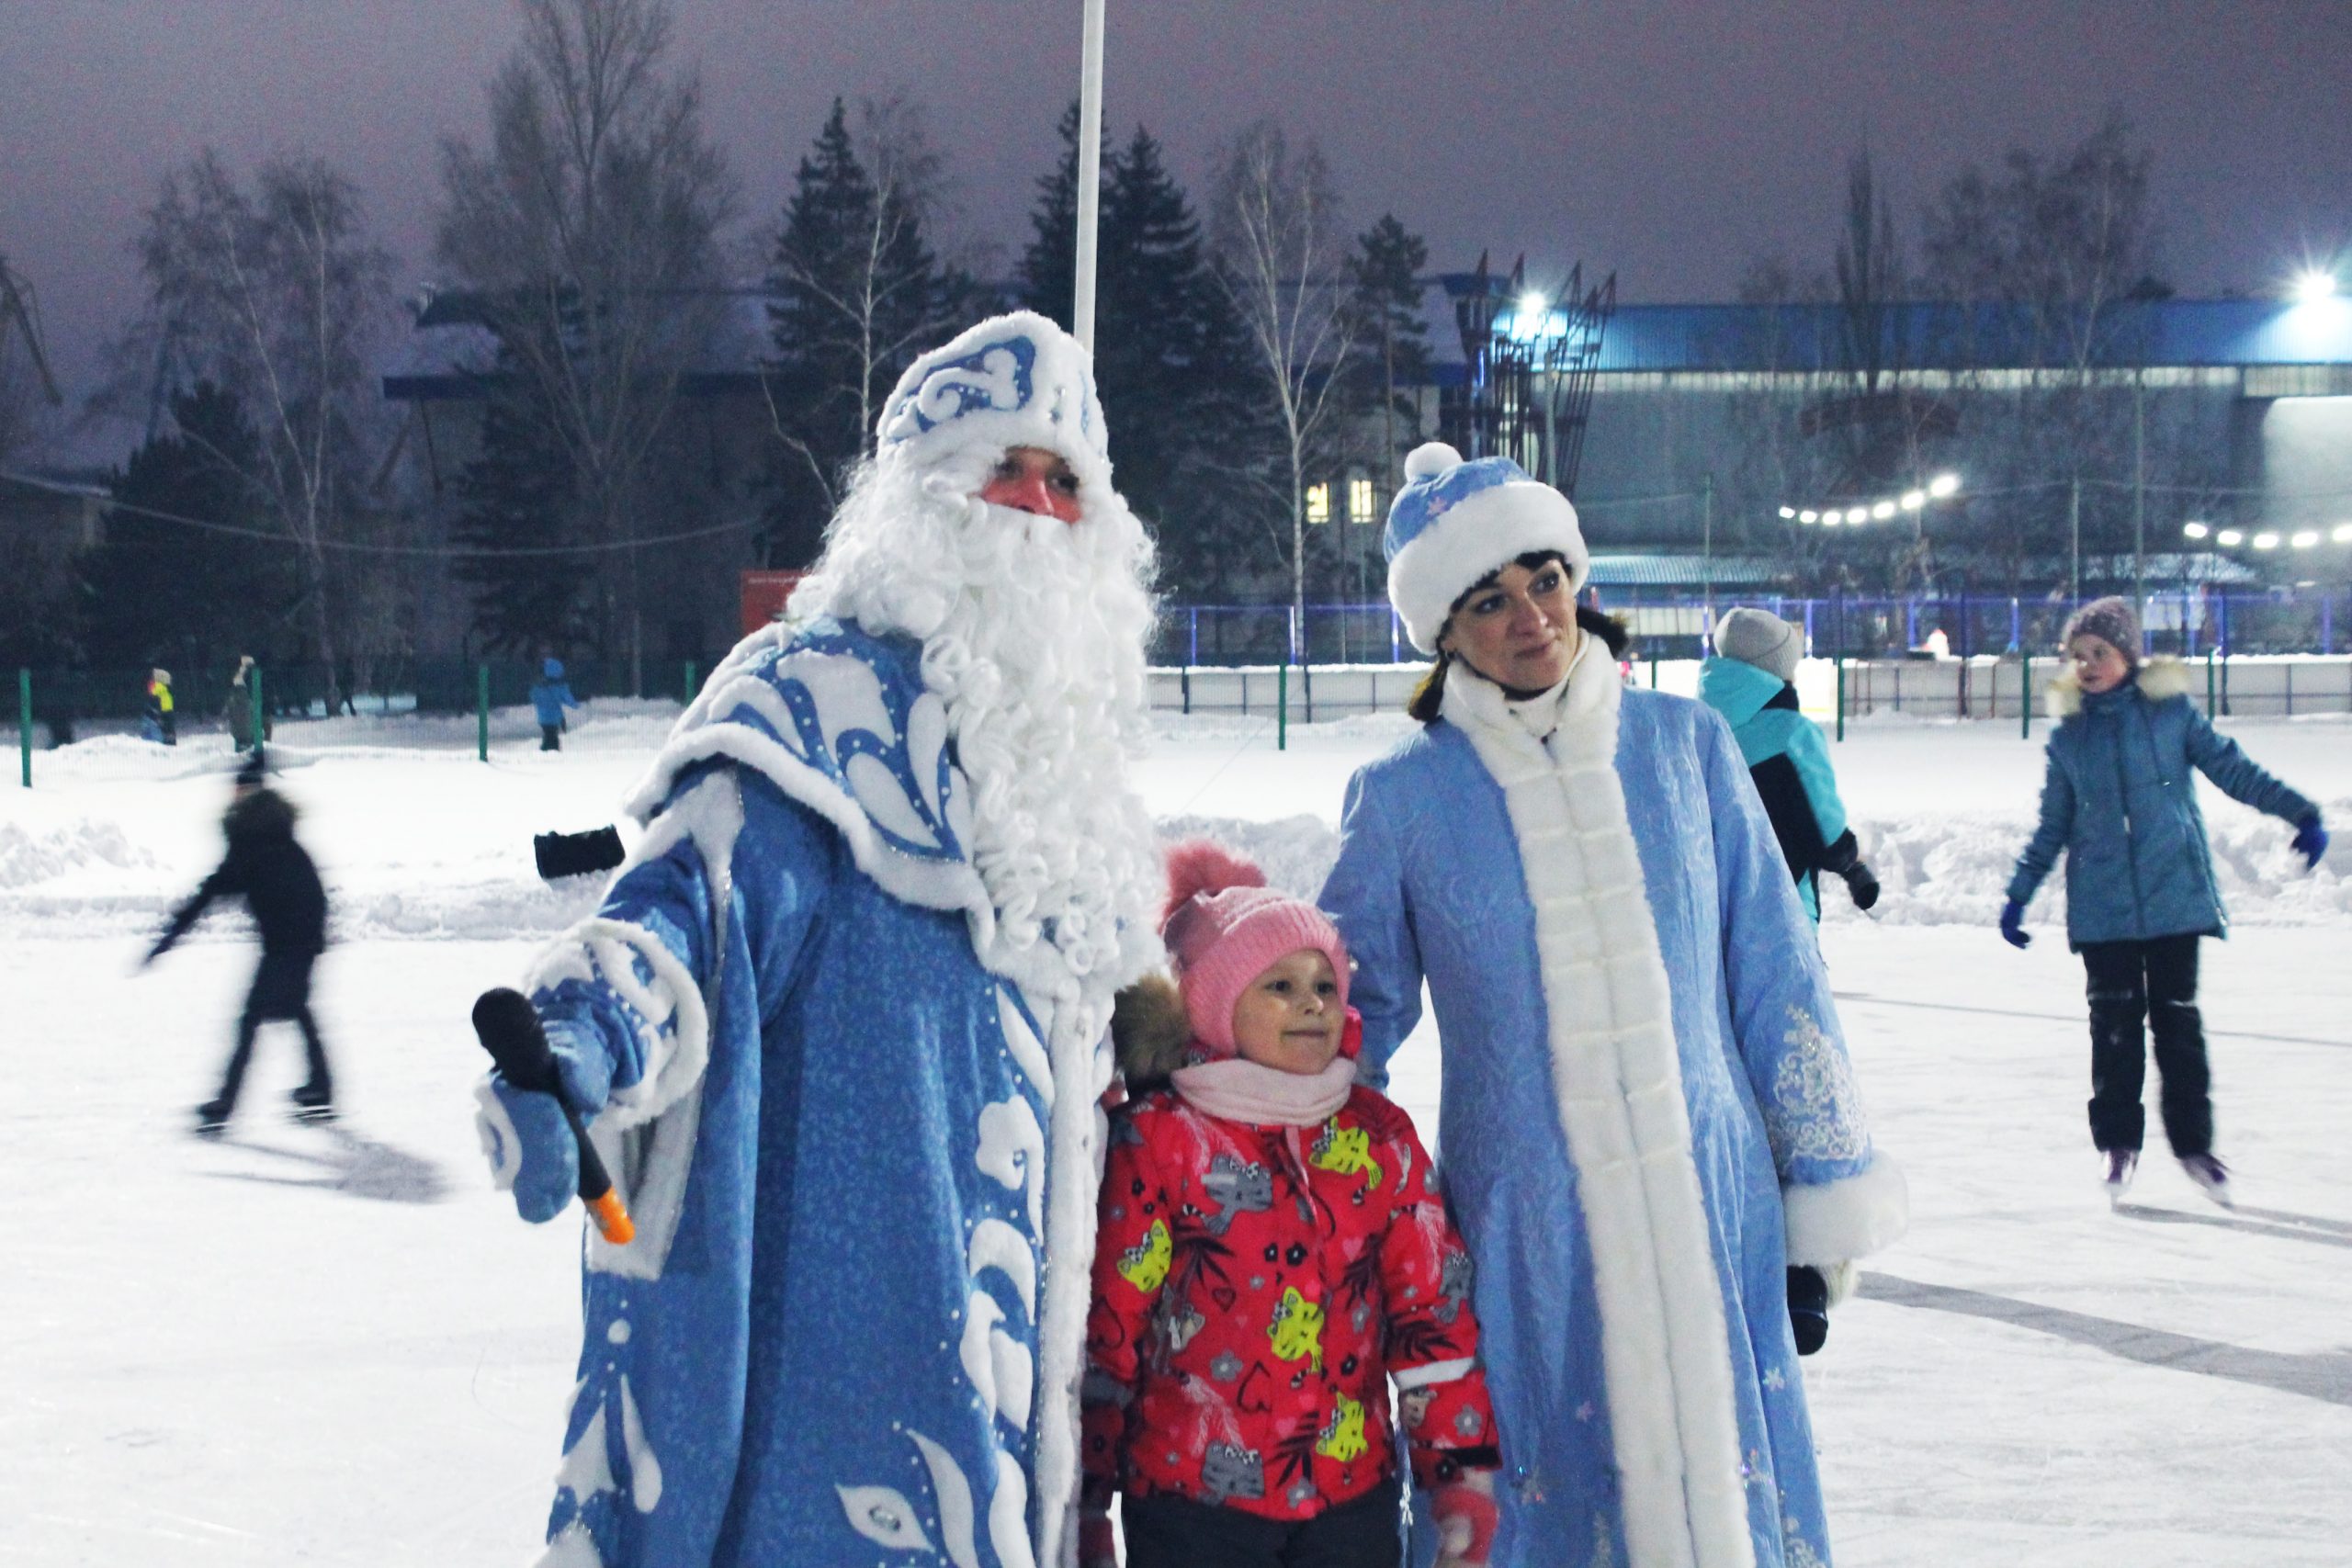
339	1347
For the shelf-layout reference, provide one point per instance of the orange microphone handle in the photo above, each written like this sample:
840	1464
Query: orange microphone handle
596	1194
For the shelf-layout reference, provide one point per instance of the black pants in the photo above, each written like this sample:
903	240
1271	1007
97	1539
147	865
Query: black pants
2138	989
550	738
282	990
1176	1532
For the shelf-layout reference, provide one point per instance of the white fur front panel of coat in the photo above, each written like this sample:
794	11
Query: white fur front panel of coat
1618	1078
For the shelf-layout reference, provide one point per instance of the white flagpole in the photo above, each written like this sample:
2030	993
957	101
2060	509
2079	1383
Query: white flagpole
1089	172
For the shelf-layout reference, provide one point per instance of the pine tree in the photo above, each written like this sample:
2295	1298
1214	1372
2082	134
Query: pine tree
1392	345
857	293
1048	268
520	491
164	590
1167	359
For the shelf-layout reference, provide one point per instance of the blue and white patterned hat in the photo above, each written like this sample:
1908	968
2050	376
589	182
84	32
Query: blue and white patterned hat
1456	522
1013	380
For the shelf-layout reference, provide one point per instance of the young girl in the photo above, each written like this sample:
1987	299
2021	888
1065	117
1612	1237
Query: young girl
1272	1252
2121	802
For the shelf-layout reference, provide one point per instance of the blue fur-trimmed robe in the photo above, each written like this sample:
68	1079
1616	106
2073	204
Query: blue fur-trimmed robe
848	1330
1647	1111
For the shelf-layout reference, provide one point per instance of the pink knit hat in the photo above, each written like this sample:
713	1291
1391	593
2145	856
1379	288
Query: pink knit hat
1225	927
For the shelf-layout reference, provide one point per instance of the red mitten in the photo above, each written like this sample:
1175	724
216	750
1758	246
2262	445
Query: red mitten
1466	1516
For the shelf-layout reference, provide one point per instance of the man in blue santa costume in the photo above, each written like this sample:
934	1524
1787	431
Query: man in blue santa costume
840	1021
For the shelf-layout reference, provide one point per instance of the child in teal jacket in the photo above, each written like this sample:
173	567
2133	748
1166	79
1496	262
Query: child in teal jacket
1751	681
2121	800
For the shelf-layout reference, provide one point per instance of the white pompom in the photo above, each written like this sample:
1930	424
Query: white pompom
1429	460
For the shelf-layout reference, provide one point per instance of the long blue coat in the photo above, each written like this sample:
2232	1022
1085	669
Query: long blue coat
1433	883
2120	799
832	1124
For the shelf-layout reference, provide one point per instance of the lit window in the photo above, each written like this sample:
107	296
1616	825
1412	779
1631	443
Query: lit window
1360	500
1318	504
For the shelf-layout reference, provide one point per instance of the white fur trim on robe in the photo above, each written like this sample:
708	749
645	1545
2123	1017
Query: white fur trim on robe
1839	1221
1618	1075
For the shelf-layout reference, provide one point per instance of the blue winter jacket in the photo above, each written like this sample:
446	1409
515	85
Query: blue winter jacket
2121	801
553	694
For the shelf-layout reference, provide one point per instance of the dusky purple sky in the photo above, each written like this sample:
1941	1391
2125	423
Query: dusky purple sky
1671	140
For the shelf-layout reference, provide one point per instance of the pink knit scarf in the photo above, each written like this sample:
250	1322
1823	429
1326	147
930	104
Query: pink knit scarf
1236	1090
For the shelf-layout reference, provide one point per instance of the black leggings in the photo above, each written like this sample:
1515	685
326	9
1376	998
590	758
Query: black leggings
2138	989
282	990
1177	1532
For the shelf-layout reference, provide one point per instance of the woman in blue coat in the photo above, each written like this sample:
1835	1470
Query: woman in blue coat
1648	1114
2121	800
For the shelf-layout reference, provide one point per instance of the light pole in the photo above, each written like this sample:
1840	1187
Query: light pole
1089	172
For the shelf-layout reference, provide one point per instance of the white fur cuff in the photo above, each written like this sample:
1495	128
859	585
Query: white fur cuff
1838	1221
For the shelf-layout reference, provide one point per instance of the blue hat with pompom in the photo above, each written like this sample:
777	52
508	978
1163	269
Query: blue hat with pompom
1455	521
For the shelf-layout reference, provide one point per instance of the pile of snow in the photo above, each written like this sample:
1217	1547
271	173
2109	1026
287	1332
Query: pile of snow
28	857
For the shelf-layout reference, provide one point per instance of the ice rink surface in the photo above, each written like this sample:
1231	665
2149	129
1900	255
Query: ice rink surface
338	1346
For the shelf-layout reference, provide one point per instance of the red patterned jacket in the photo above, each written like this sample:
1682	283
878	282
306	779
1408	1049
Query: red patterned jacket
1255	1288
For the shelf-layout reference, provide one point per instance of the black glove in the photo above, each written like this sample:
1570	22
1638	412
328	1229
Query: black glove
1808	1309
1861	885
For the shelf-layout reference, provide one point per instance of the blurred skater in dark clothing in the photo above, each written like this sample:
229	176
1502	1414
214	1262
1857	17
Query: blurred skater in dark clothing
281	889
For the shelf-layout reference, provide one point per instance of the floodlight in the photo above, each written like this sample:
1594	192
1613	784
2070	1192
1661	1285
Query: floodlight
2342	534
2304	538
1858	514
1831	518
1883	510
2313	286
2195	530
1943	485
2266	541
1790	511
1533	304
1808	515
2228	539
1914	498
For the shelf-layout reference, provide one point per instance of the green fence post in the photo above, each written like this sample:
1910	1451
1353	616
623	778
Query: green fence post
2025	697
481	714
1841	696
253	702
688	697
1281	707
2209	683
25	722
1653	670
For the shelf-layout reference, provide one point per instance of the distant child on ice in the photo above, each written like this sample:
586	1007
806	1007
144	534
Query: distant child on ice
1272	1252
1751	681
550	697
281	889
2121	800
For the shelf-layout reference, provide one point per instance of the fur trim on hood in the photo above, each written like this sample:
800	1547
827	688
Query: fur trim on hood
1150	1032
2158	679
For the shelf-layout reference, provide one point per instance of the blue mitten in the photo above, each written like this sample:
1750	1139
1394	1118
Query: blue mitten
2013	925
530	1147
2310	841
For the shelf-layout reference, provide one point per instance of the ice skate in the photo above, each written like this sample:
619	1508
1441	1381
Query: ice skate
2121	1166
310	1106
2212	1175
211	1119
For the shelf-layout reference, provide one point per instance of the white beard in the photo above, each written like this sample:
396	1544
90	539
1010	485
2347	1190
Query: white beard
1034	634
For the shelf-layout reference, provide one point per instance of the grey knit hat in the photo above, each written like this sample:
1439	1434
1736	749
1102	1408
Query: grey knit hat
1761	638
2111	621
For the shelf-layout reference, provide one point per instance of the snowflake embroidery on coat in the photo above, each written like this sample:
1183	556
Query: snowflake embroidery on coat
1815	1112
1775	1379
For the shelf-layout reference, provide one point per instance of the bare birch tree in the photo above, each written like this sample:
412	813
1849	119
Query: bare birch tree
1274	229
591	227
279	295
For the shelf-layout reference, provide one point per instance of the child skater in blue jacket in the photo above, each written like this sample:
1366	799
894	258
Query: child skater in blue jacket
2121	801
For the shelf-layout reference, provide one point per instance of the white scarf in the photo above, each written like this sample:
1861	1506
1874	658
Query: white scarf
1665	1347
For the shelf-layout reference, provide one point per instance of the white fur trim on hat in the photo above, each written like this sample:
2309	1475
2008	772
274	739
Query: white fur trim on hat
1484	532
